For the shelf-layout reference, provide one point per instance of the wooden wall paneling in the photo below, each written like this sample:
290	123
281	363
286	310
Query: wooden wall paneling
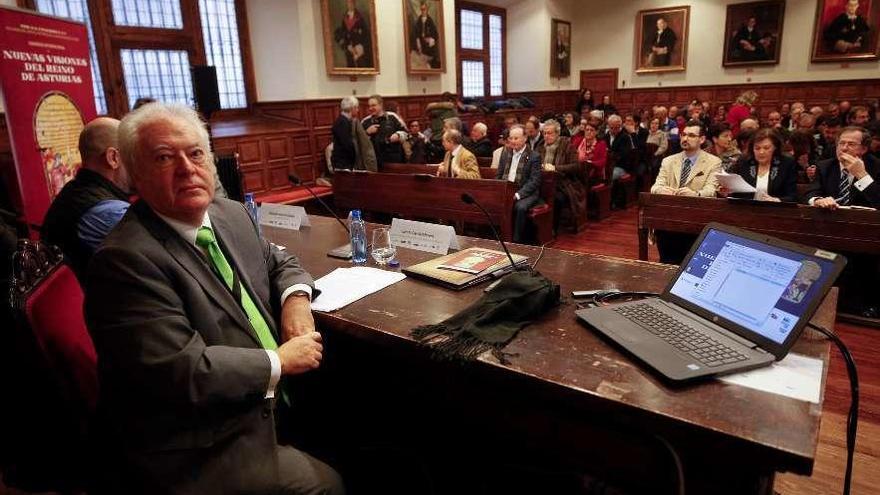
250	152
294	112
224	146
323	115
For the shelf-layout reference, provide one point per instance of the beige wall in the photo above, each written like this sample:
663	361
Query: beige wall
288	51
604	30
528	44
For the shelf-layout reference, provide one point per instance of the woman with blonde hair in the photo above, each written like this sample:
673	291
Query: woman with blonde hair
741	110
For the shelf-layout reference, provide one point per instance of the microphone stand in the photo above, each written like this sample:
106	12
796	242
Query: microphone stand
467	198
341	252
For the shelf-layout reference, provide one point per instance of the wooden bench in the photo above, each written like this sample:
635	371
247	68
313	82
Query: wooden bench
854	231
413	190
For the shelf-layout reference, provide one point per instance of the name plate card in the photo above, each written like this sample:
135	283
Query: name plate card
283	216
422	236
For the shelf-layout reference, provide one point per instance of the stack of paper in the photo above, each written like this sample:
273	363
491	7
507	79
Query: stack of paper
344	286
796	376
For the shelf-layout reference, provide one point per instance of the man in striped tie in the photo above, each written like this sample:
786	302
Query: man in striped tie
848	179
195	319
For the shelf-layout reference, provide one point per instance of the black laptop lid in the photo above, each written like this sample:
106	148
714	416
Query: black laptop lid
759	287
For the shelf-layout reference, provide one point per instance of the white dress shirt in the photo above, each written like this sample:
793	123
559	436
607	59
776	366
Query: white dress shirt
189	234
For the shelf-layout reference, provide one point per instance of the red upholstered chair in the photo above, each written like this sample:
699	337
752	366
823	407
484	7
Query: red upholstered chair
48	306
541	214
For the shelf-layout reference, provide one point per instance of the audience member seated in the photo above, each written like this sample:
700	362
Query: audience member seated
771	173
637	133
606	107
749	125
458	162
657	137
534	139
188	358
848	178
522	166
480	145
825	144
352	148
585	103
415	146
437	113
558	155
570	126
386	130
858	116
723	145
743	140
579	136
689	173
802	148
620	148
593	153
89	206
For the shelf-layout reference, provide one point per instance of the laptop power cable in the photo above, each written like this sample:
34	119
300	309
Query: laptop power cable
852	419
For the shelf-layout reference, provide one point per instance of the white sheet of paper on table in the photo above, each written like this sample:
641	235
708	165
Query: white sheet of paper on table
344	286
796	376
734	183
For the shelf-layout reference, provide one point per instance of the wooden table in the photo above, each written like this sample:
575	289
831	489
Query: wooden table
853	231
567	393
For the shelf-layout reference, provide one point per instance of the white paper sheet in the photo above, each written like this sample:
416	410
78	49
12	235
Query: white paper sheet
344	286
796	376
734	183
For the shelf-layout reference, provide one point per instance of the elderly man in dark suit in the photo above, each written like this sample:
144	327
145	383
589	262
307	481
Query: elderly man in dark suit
849	178
195	319
521	165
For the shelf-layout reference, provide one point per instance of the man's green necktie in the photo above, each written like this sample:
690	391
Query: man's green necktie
206	240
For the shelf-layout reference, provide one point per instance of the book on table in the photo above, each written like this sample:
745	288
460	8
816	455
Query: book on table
464	268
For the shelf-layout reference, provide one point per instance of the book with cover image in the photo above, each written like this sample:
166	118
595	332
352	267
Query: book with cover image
465	268
473	260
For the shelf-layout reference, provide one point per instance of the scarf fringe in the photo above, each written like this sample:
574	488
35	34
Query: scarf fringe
448	347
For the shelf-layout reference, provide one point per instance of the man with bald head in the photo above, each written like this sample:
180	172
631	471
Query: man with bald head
522	166
90	205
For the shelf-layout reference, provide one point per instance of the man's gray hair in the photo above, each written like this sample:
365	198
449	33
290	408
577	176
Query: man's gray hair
130	131
453	136
514	127
615	118
552	123
481	128
453	122
865	135
348	103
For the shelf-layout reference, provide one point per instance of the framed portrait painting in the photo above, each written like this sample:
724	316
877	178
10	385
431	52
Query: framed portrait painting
425	42
846	30
662	39
560	48
753	33
350	46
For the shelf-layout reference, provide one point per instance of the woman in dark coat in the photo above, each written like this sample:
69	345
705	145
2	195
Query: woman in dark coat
773	174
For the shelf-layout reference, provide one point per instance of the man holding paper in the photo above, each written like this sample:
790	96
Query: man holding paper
691	172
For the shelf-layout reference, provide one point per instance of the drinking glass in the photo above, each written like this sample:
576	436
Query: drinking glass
382	250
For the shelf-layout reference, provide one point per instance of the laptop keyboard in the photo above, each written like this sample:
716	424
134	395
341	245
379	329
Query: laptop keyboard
696	344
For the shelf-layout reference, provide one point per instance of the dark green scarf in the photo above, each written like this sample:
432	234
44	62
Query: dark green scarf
492	321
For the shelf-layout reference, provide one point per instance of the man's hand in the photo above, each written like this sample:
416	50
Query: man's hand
301	354
296	317
826	203
854	165
394	138
685	191
549	167
373	129
665	190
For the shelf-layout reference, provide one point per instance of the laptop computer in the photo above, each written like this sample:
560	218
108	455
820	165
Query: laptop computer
739	301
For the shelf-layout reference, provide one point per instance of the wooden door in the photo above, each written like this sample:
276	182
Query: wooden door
602	82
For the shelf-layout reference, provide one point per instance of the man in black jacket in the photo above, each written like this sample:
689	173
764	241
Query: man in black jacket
522	166
387	131
90	205
480	144
847	179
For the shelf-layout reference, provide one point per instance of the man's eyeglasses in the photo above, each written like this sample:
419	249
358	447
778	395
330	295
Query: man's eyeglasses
690	135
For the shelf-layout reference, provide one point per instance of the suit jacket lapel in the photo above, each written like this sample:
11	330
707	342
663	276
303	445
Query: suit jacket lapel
676	168
196	265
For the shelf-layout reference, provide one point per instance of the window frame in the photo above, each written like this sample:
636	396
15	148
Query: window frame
484	56
111	39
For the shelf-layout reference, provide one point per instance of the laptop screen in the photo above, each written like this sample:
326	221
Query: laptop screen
765	289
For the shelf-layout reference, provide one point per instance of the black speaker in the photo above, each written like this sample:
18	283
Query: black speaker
206	93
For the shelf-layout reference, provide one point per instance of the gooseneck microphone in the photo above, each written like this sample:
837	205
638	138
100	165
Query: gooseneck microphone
467	198
343	252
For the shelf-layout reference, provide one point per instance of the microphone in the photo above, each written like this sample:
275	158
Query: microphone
343	252
467	198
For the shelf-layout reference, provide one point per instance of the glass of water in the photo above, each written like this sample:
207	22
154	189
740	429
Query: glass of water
383	250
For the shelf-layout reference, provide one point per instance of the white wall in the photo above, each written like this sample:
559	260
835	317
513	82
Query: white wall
288	51
528	44
603	32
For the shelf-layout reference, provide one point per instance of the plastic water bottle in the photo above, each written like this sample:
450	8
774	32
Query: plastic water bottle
253	210
358	231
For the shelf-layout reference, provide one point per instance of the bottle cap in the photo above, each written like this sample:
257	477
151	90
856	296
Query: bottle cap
356	214
395	263
248	197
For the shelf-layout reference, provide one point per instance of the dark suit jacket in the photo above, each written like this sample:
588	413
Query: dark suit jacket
827	183
621	151
783	176
344	155
666	40
182	373
528	173
482	148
